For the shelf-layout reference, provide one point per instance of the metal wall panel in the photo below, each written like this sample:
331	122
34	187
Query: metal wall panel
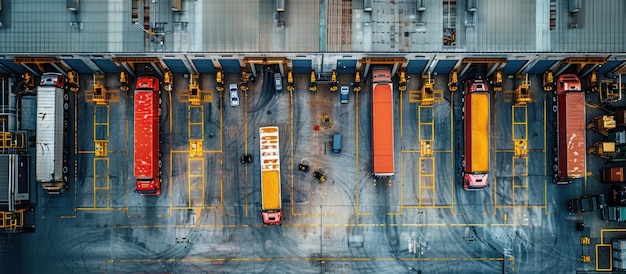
301	66
416	66
47	26
444	66
512	66
106	65
176	65
204	65
541	66
230	65
78	65
346	66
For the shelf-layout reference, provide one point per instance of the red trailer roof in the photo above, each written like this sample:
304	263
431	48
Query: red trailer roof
571	137
382	130
146	134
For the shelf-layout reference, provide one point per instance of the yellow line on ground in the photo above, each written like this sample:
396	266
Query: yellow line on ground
194	207
291	135
245	147
95	208
607	230
320	259
171	187
452	146
221	162
516	206
356	169
316	214
427	206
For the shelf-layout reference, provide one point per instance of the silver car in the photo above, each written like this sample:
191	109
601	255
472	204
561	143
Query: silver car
234	95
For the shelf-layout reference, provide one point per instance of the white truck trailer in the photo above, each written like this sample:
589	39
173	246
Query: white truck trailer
52	107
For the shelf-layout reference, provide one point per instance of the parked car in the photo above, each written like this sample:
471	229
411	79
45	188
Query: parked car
234	95
278	83
343	95
336	144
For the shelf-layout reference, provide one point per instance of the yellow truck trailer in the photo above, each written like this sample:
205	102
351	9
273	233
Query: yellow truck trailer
270	175
476	123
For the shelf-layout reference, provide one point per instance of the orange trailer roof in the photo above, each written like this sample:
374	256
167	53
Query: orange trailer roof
382	130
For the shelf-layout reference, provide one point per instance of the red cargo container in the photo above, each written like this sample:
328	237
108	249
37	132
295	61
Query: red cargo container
571	147
147	153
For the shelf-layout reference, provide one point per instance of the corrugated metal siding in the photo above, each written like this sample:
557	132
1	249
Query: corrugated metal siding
505	25
31	26
42	26
236	25
4	178
600	27
301	32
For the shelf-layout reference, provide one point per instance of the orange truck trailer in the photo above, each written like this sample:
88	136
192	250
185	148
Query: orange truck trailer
270	176
147	152
570	123
382	123
476	124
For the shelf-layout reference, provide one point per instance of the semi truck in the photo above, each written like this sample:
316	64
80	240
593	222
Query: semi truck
614	213
585	204
570	138
270	176
476	126
382	123
52	112
146	136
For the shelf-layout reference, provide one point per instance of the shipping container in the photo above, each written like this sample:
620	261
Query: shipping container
571	146
382	123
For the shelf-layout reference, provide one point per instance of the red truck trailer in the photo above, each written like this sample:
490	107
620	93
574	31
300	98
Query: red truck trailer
570	138
476	124
382	123
146	125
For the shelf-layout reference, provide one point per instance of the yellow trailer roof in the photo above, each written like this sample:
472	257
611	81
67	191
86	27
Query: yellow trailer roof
479	132
270	189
